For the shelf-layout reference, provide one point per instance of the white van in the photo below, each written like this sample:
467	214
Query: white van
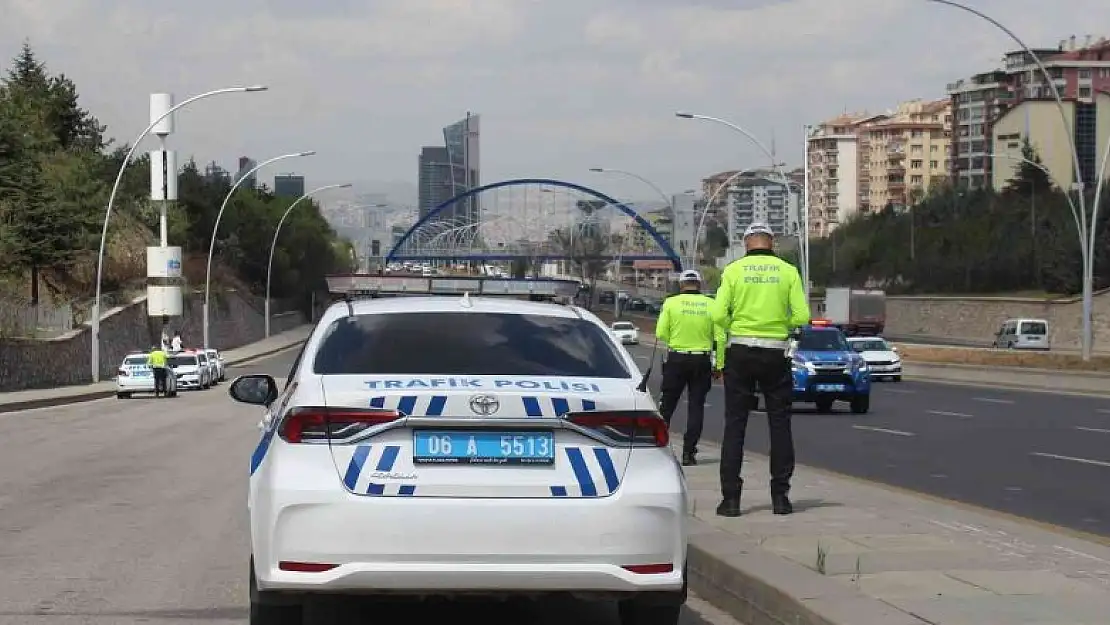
1022	334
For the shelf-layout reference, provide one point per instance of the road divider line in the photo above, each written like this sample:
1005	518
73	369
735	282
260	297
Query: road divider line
1095	430
993	400
1104	410
1096	463
869	428
900	391
945	413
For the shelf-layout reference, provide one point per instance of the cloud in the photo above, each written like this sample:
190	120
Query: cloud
561	86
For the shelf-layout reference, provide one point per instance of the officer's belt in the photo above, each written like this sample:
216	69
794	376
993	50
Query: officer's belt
762	343
691	352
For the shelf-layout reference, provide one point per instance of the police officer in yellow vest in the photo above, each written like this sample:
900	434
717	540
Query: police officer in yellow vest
157	362
760	302
686	326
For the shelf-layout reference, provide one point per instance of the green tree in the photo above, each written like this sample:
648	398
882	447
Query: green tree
1031	176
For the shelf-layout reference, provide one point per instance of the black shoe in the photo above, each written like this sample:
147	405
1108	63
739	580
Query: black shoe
780	504
729	506
688	459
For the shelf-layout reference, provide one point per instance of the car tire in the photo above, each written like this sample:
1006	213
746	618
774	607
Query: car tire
824	405
753	404
897	378
861	404
264	611
123	395
633	612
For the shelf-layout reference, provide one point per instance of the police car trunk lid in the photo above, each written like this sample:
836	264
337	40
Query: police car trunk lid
480	436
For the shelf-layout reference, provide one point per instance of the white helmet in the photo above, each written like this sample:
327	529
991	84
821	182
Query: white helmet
758	228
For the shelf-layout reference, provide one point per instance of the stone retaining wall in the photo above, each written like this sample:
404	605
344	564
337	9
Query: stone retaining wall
235	320
977	319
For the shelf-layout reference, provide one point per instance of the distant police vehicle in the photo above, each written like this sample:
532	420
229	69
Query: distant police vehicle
826	369
190	371
446	445
135	376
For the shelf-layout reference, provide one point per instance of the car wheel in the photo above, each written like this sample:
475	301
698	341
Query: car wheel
824	405
897	378
861	404
265	611
123	395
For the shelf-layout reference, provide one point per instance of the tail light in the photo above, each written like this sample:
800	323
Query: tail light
639	428
122	373
307	424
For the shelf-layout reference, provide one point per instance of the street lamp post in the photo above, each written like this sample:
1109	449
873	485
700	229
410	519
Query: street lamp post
666	200
216	227
1087	230
95	334
776	167
277	231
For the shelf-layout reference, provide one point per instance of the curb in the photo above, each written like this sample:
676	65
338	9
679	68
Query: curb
62	400
759	588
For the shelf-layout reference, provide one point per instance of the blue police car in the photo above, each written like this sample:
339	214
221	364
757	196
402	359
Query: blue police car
827	369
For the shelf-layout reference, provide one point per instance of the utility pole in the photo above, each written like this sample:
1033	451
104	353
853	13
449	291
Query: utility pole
163	262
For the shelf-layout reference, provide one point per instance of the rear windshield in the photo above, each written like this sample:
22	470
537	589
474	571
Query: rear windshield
822	341
623	326
445	343
182	361
135	360
870	346
1033	327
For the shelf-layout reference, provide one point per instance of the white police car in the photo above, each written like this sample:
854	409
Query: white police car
438	446
136	376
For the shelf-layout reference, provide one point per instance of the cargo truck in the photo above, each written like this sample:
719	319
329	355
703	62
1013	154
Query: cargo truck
857	312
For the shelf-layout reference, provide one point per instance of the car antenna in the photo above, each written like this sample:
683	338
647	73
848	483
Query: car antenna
647	375
350	304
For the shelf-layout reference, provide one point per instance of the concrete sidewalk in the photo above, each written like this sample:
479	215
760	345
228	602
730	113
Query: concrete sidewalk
41	398
854	553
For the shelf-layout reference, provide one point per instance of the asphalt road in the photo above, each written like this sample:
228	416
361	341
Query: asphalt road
1036	455
133	511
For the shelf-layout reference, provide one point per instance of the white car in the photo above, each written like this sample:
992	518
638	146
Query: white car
881	357
441	446
136	376
190	371
216	359
626	333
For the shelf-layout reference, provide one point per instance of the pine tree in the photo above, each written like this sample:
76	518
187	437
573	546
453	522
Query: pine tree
1031	177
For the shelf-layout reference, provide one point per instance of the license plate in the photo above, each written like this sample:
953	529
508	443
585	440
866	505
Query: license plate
482	447
832	388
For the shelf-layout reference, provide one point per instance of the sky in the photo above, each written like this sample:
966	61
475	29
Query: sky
561	85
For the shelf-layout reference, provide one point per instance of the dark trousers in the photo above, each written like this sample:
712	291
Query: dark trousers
744	368
693	372
159	380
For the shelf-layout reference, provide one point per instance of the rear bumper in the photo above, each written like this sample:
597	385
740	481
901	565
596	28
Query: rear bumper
408	545
135	385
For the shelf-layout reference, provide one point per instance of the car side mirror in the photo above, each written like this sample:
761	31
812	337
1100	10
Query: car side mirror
894	349
257	389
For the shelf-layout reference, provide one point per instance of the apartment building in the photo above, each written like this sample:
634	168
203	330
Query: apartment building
903	153
995	109
835	186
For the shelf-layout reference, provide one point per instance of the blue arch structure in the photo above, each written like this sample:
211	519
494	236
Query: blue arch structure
643	223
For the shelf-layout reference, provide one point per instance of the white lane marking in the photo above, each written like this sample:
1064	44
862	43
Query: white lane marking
945	413
1096	430
1104	410
1097	463
903	391
993	400
882	430
1079	553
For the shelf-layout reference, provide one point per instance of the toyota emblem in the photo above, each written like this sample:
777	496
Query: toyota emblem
484	405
